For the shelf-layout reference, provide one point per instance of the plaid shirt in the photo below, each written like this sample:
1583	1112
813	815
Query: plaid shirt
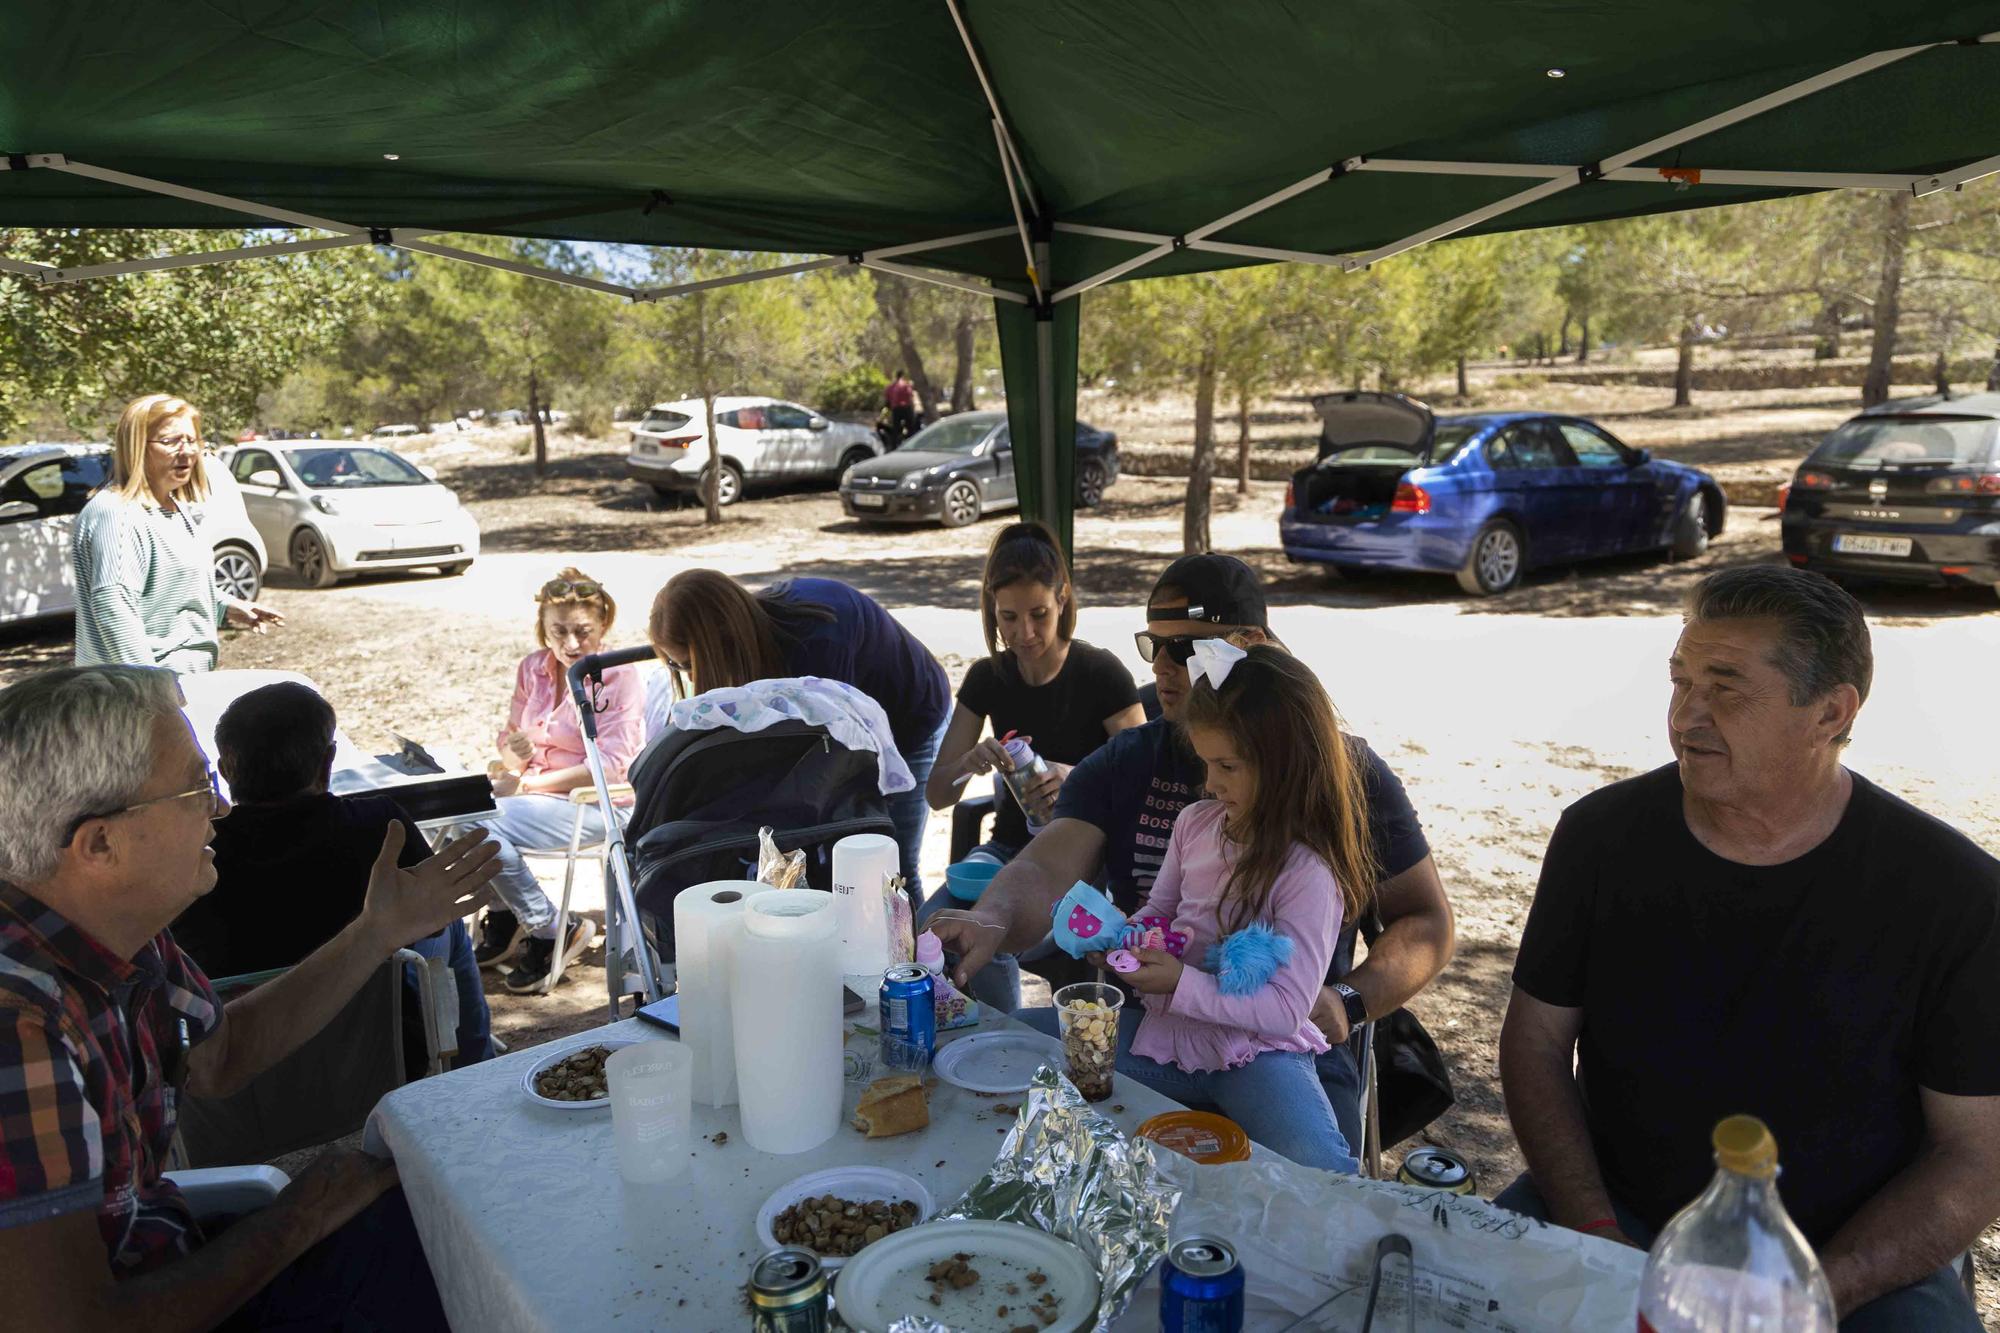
89	1048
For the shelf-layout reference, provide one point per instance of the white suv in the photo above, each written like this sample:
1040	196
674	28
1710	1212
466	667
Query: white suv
762	439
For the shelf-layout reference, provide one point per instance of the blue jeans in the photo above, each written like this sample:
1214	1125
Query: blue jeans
475	1026
998	984
1938	1304
538	822
1276	1098
909	811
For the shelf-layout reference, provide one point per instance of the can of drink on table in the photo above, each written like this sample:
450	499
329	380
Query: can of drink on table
1436	1169
909	1017
788	1293
1201	1287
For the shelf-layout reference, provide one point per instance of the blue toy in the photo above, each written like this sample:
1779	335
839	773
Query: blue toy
1245	961
1086	921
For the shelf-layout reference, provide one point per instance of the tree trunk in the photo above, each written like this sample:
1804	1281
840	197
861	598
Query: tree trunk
711	477
1464	390
892	298
1242	441
1562	339
1826	329
963	338
1684	367
1583	340
1993	371
1888	299
1201	472
1941	375
535	415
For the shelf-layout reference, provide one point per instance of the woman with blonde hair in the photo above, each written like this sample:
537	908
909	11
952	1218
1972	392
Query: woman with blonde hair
143	567
540	761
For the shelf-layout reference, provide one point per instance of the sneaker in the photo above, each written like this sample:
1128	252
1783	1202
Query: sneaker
537	957
500	937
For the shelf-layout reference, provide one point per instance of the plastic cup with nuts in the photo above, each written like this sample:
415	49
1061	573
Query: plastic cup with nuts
1088	1013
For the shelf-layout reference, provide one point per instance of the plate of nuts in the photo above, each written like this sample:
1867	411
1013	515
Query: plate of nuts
836	1213
574	1078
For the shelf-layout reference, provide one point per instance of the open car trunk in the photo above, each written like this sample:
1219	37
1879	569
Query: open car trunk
1368	441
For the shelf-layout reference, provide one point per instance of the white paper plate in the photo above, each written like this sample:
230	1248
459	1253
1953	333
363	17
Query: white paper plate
858	1183
528	1079
886	1281
996	1061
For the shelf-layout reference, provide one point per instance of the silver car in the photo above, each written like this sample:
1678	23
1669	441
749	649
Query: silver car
762	440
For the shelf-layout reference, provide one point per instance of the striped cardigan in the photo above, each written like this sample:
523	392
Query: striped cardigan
145	585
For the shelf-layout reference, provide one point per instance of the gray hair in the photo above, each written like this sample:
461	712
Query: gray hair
1822	635
73	743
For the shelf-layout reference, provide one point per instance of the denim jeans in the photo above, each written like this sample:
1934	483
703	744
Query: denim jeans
1276	1098
1938	1304
998	984
909	811
475	1027
537	822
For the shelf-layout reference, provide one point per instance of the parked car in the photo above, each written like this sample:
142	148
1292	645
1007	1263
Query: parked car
399	431
762	440
954	471
42	489
1485	497
1907	492
341	508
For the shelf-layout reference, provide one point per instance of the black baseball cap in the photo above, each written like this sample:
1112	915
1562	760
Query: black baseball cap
1220	590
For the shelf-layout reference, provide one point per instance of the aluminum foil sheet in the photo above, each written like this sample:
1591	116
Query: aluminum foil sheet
1067	1170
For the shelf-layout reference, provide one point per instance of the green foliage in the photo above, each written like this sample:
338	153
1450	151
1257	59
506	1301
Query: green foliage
856	389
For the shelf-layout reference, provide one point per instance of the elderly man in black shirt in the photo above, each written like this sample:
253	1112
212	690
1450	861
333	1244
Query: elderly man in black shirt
1754	928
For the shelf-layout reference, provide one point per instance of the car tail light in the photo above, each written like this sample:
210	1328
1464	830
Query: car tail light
1784	494
1410	499
1986	484
1288	495
1814	481
678	441
1796	559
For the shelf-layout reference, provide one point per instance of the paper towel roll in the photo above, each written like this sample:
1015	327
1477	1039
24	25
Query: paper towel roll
862	863
708	922
786	1017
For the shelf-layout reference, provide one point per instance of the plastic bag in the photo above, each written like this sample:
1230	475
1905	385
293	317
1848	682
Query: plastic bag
902	921
781	870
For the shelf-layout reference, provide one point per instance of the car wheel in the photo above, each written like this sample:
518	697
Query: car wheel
1090	483
1353	573
311	560
1495	562
237	573
961	504
858	454
729	489
455	568
1690	529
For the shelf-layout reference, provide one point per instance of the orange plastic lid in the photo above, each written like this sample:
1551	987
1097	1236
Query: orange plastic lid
1202	1135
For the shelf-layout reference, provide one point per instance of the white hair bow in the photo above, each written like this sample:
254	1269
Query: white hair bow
1213	658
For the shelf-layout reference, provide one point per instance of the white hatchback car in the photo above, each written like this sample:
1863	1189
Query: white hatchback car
42	489
339	507
763	440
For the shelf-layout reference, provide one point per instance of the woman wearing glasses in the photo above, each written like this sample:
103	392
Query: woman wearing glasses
540	762
143	567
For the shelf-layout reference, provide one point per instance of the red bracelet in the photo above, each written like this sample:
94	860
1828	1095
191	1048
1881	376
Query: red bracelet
1599	1225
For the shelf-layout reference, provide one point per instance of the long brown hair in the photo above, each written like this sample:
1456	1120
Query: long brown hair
1025	552
1309	789
733	637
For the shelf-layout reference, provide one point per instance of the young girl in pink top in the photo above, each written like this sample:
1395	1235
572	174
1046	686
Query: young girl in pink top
1283	843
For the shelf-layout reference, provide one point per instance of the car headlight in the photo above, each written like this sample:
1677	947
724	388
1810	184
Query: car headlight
914	482
325	504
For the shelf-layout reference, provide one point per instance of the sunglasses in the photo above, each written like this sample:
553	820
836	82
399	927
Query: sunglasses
1179	647
569	590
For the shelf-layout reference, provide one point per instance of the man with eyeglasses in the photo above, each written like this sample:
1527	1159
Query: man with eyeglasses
1118	807
107	806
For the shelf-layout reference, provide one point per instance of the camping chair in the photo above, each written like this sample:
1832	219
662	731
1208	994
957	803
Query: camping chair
580	798
326	1088
968	824
1363	1041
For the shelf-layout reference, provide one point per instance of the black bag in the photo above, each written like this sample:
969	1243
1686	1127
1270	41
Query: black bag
699	798
1410	1077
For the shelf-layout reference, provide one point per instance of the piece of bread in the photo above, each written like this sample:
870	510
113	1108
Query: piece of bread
893	1105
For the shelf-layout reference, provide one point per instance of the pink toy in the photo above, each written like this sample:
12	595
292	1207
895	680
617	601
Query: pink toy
1153	932
1083	923
1121	961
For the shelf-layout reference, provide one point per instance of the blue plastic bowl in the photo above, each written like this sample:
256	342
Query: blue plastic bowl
968	879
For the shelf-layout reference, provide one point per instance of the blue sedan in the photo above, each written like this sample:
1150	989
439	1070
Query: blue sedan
1485	497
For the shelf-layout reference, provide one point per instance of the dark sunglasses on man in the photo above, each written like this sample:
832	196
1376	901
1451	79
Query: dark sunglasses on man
1179	647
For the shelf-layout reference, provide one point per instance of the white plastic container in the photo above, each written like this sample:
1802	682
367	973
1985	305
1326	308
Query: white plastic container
785	1012
862	865
650	1110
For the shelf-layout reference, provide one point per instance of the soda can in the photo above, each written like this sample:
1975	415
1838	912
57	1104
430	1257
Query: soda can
909	1017
1436	1169
788	1293
1201	1288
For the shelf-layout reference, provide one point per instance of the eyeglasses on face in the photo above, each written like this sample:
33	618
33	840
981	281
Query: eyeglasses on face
211	789
1179	647
569	590
178	444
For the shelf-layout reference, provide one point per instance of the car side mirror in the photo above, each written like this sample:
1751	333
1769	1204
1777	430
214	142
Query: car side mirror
266	476
816	423
430	473
1641	457
14	509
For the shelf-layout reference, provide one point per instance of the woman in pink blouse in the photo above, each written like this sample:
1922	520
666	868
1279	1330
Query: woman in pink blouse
541	761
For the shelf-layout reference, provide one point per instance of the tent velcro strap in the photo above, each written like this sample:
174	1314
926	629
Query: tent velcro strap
659	198
382	235
1590	171
17	161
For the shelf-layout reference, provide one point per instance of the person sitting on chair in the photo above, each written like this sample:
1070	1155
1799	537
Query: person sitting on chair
292	860
541	762
107	804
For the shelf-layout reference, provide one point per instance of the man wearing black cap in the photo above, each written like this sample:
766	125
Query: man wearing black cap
1118	807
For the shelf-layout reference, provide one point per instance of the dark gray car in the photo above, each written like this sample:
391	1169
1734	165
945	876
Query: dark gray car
960	468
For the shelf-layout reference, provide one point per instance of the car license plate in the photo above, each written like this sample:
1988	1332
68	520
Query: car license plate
648	447
871	502
1853	543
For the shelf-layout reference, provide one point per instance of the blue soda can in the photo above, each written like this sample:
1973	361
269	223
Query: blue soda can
1201	1288
909	1017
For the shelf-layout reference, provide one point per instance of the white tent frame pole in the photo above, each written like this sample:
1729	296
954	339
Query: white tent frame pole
1803	180
1045	399
1020	220
1958	176
404	242
162	263
1216	247
151	186
27	269
736	279
1008	151
942	243
940	279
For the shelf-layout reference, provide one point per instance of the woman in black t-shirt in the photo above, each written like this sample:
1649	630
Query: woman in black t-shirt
1060	695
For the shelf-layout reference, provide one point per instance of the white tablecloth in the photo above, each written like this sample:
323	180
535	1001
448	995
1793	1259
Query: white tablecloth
529	1228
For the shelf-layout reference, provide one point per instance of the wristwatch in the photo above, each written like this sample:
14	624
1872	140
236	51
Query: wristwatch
1350	1000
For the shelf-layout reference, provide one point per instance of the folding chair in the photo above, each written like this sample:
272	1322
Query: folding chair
1371	1103
580	799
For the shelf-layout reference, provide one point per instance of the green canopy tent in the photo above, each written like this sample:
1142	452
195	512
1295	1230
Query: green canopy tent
1032	149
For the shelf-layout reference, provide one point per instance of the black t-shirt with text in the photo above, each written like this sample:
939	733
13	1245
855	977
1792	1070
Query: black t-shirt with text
1065	717
1817	995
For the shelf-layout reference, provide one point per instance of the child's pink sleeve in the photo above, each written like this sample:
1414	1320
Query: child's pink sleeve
1306	909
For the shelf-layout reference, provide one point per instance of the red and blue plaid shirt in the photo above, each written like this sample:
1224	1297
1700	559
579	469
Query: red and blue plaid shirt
90	1051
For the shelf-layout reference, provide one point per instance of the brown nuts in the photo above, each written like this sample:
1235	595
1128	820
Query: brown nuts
837	1228
577	1077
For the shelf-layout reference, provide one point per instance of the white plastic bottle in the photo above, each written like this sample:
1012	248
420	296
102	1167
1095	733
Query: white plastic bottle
1731	1261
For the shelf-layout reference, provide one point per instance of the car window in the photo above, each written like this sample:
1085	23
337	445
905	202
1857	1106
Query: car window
1592	448
953	435
249	462
341	469
785	416
54	487
659	420
1522	446
745	418
1877	442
